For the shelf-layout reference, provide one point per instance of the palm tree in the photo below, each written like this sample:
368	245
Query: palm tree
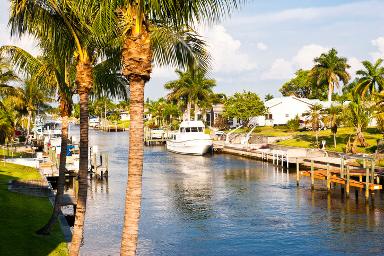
192	87
335	116
330	69
53	72
358	115
371	79
314	117
159	31
86	28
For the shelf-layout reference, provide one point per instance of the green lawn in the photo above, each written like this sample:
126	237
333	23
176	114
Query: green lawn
22	215
307	139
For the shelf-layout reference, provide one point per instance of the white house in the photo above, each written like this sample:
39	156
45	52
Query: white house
281	110
124	116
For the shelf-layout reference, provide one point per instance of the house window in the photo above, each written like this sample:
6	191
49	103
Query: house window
286	115
268	116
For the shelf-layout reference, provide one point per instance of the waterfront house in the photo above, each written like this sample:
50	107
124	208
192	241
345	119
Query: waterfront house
282	109
124	116
216	112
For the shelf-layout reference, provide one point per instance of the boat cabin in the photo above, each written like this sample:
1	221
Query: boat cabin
191	126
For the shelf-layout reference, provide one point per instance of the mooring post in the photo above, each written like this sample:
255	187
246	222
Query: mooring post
328	178
373	171
367	183
312	175
347	184
286	158
342	167
297	172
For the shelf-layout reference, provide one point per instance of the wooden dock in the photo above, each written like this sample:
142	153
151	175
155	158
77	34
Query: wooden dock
151	138
340	169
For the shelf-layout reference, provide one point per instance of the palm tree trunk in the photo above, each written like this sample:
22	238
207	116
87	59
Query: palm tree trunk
135	169
330	91
84	82
334	139
196	110
137	67
189	106
45	230
28	125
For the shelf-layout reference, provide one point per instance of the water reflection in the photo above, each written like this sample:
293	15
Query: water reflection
226	205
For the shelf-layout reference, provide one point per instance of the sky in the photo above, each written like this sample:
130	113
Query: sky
261	45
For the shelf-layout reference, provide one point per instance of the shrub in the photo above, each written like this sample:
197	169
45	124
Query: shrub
294	124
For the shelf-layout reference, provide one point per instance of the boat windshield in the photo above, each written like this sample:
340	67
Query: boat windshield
192	129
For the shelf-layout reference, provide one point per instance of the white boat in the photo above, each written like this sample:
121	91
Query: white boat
190	139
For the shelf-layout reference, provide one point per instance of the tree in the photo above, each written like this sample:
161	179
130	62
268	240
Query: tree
371	79
330	69
244	106
86	29
357	115
193	88
334	118
156	32
303	86
314	117
268	97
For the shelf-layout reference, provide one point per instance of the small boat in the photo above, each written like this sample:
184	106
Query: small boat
190	139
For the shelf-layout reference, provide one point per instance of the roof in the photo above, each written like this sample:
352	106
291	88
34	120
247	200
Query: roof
288	100
192	124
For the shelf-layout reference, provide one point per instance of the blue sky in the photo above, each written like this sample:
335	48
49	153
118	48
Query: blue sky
265	42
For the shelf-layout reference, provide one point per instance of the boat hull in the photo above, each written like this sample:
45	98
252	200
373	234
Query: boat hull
190	147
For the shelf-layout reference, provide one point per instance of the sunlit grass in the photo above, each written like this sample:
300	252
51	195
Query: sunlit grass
21	215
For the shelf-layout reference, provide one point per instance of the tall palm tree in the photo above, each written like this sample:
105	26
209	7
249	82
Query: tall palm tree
314	117
371	79
159	31
193	88
330	69
55	73
335	116
87	28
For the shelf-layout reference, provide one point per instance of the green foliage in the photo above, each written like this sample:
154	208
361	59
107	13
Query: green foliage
303	86
371	79
244	106
294	123
329	70
268	97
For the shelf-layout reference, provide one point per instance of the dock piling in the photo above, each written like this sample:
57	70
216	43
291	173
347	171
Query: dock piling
328	178
347	187
312	175
297	172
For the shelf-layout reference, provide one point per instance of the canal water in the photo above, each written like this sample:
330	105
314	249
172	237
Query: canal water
226	205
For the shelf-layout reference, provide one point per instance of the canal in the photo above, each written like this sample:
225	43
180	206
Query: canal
226	205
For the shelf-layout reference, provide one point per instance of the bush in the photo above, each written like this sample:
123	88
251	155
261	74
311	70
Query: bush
294	124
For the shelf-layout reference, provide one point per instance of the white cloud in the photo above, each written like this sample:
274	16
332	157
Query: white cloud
284	69
280	69
379	43
26	42
261	46
227	54
305	56
355	66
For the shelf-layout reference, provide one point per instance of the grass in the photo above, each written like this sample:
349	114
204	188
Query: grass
8	153
21	215
307	139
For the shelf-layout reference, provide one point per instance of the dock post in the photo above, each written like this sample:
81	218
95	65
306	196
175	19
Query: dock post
312	175
282	159
347	183
367	183
286	158
342	168
297	172
372	171
328	178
